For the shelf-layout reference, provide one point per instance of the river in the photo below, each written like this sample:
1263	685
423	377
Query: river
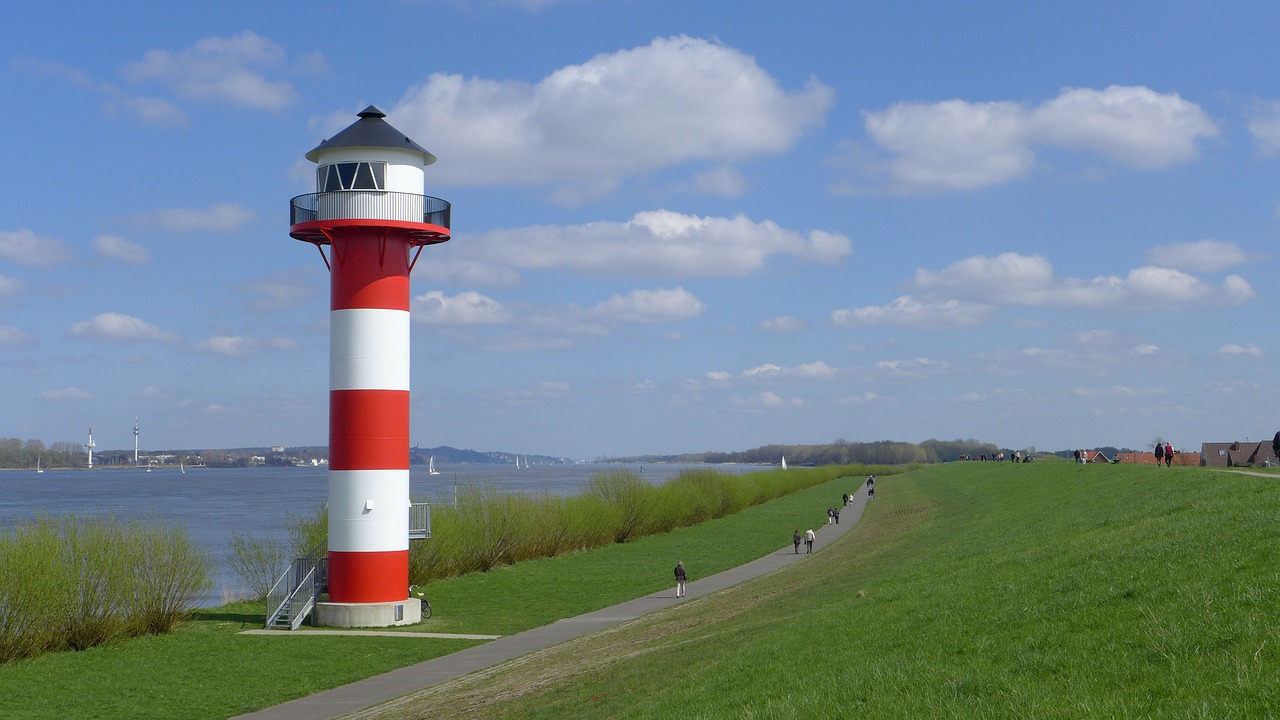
213	503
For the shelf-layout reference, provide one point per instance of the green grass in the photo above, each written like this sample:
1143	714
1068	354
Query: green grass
207	670
971	590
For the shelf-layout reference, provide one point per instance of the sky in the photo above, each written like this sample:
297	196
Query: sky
677	226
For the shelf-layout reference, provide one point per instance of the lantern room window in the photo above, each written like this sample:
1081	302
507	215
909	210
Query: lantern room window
336	177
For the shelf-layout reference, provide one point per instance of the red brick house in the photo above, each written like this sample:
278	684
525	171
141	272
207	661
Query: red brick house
1180	458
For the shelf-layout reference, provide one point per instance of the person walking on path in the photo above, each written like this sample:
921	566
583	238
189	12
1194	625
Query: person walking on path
1168	454
795	540
681	577
1159	452
809	537
835	513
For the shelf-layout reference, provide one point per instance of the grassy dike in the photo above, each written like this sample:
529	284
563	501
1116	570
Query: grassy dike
1047	590
206	669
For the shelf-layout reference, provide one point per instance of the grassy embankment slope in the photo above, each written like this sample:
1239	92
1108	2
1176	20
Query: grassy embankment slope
969	590
207	670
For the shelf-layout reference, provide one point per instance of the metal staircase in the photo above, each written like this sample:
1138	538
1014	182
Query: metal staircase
295	594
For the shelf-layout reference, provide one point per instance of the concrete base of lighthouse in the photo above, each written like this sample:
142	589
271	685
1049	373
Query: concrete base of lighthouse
354	615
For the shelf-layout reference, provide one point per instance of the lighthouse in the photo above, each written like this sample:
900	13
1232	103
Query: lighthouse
370	212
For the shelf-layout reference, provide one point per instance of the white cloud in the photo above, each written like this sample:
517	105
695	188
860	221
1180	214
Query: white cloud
657	243
465	308
550	390
644	307
906	311
228	345
953	144
675	100
962	145
762	370
9	286
283	290
67	393
722	181
766	374
215	218
1248	350
11	338
1199	256
911	368
767	400
817	369
117	248
27	248
1007	279
1265	128
225	70
1121	392
1013	279
114	327
1135	125
865	399
783	324
152	111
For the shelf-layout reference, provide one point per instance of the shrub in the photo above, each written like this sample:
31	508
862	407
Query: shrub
76	583
256	562
487	527
170	571
631	495
308	532
96	581
31	591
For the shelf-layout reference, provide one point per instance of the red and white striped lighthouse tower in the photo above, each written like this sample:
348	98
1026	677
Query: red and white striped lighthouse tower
369	209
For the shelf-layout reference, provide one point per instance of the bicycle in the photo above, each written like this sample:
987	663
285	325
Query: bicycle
421	595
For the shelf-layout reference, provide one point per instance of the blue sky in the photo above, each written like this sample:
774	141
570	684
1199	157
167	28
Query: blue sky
677	226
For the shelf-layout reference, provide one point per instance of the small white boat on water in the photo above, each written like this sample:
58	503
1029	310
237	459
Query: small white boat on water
431	466
38	468
784	462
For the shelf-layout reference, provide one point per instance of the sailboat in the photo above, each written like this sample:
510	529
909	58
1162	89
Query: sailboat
38	468
182	467
431	466
784	462
517	462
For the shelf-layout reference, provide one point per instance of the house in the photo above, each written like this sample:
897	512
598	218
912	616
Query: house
1237	454
1189	459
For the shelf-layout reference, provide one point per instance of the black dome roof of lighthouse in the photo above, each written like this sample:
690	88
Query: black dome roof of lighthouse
373	132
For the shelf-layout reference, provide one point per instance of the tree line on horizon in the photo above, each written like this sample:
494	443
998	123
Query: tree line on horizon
841	452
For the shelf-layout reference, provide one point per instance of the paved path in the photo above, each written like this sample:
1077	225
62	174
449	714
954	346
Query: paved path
371	691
